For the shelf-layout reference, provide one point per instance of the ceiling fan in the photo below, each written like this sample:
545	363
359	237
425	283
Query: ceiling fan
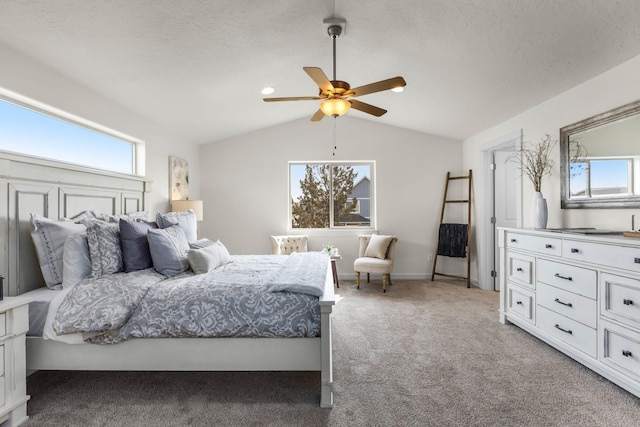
337	95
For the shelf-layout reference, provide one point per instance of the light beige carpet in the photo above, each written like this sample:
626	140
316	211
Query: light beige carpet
424	353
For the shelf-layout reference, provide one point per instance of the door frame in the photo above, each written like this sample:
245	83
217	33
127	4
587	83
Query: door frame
510	141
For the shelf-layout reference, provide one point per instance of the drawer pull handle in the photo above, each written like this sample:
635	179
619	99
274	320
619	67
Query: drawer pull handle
626	353
569	331
519	269
513	240
575	250
636	260
519	303
627	302
548	246
568	304
563	277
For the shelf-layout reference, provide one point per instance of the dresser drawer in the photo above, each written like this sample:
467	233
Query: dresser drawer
540	244
574	279
620	349
521	302
602	254
520	269
574	306
568	330
620	299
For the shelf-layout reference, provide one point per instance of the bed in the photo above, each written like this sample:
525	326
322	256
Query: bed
61	191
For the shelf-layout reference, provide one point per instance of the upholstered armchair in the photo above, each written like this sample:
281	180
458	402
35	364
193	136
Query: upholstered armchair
286	245
375	256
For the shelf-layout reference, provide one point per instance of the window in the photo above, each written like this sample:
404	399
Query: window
35	131
593	177
331	195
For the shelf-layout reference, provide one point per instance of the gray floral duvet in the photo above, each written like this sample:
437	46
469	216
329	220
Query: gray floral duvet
244	298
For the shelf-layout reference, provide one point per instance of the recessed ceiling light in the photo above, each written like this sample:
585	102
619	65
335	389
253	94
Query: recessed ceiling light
268	90
398	89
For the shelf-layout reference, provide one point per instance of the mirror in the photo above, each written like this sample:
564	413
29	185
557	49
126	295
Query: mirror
600	160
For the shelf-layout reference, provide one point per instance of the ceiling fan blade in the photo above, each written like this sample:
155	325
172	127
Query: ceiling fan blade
321	79
317	116
379	86
294	98
367	108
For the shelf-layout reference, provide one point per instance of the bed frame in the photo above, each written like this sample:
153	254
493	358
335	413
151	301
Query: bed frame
56	190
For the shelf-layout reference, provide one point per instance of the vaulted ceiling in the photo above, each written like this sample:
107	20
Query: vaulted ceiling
197	66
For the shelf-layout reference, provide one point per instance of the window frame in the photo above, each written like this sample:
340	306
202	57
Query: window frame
332	227
138	167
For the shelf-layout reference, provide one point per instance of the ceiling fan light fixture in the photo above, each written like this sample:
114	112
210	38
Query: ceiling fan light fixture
335	107
397	89
268	90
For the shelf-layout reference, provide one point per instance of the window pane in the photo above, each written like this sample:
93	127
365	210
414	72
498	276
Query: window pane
309	196
29	132
610	177
352	196
578	174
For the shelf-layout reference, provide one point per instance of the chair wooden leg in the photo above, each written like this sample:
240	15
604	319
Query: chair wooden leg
385	280
357	280
368	278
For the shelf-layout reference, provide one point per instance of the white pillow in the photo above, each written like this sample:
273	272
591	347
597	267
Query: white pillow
223	253
49	237
76	263
378	245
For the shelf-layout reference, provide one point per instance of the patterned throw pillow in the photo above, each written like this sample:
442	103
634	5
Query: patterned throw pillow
186	220
169	248
104	247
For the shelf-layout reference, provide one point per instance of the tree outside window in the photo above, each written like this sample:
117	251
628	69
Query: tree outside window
326	195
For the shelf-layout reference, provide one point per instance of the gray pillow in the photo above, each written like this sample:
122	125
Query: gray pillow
49	237
186	220
168	248
104	247
136	254
200	243
204	260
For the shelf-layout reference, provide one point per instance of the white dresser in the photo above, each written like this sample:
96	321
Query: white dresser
14	323
578	293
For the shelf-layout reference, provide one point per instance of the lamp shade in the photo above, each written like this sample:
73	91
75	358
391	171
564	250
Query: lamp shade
335	107
185	205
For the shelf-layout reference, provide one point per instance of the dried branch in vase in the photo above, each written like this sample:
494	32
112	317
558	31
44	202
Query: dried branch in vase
535	160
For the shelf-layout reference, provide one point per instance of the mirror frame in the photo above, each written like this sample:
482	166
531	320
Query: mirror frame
566	132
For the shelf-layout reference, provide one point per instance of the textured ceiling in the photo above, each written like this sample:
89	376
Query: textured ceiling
197	67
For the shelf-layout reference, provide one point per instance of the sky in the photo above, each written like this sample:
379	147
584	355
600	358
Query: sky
29	132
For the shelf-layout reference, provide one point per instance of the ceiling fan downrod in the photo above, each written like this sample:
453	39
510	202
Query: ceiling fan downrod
334	32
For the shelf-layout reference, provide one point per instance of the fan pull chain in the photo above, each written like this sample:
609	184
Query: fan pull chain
335	144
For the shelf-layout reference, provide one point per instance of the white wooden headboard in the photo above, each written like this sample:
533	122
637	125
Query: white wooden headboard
54	190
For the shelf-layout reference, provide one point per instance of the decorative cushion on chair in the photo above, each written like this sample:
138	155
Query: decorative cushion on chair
378	245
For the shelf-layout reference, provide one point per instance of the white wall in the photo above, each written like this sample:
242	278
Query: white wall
244	185
614	88
29	78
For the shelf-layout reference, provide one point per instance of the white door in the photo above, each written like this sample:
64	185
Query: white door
505	202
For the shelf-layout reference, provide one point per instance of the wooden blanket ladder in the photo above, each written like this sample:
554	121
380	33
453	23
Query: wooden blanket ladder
455	228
